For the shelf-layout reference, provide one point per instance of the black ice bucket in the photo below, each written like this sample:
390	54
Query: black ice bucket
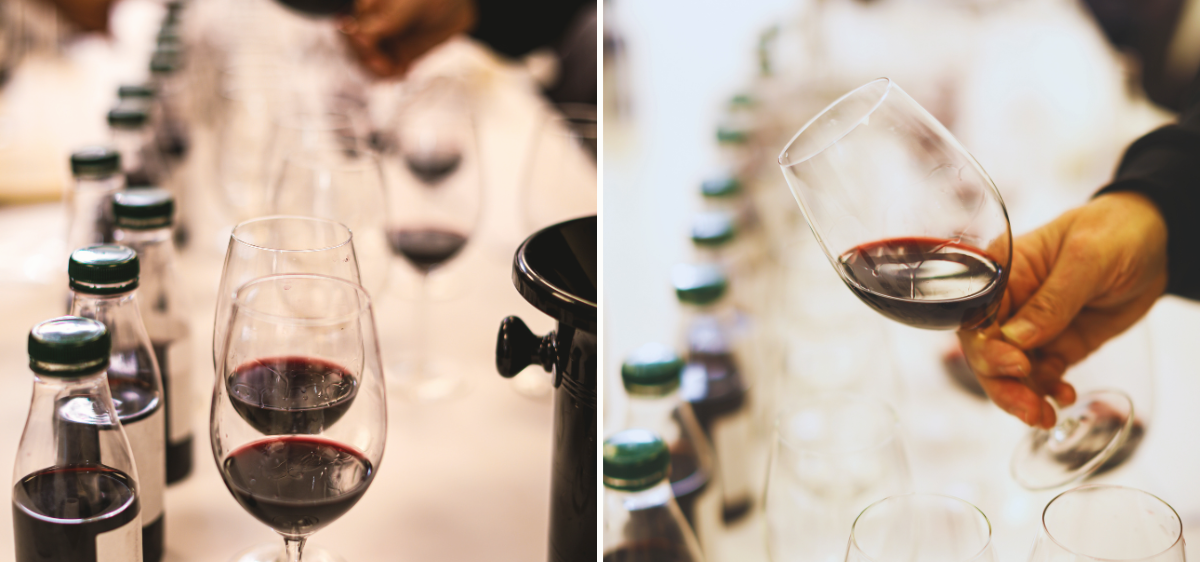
555	270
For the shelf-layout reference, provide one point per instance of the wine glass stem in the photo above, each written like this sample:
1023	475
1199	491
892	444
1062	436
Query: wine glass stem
421	338
294	547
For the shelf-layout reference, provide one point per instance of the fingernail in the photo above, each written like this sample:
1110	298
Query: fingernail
1022	415
1010	370
1019	331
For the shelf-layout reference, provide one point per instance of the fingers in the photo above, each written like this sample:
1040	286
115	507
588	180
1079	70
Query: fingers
1071	284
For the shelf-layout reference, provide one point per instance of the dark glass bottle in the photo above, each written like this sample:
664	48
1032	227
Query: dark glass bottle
104	281
97	176
651	376
714	382
75	495
642	522
143	219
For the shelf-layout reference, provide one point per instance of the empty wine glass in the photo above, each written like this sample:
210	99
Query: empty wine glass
560	171
925	527
298	131
299	416
343	184
280	244
434	179
917	230
833	454
1109	523
243	140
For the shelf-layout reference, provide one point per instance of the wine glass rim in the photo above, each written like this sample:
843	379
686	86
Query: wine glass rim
365	159
1178	521
349	233
986	544
893	421
240	305
786	162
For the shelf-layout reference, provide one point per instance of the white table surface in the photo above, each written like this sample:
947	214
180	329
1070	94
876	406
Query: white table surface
462	479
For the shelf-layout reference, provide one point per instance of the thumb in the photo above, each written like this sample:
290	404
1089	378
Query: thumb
1069	287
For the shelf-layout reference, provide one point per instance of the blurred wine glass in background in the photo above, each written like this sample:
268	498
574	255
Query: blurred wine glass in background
560	171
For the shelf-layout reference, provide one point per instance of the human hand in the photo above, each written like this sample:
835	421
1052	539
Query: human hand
89	15
1074	284
388	35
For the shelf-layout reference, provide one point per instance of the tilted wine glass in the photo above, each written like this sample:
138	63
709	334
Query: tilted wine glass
918	231
299	416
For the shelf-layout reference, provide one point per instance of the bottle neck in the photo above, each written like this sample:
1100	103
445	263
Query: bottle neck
157	288
119	312
62	427
656	496
654	413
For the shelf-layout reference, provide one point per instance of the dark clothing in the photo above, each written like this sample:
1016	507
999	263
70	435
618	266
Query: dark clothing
1164	165
514	28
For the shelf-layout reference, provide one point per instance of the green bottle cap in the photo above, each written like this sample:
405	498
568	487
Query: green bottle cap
95	161
127	117
732	134
167	58
169	35
69	346
724	186
144	208
635	459
698	284
712	229
742	101
135	92
103	270
651	370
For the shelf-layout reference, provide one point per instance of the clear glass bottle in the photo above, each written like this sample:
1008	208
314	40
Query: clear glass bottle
104	281
75	488
714	381
651	376
143	219
97	174
133	135
642	522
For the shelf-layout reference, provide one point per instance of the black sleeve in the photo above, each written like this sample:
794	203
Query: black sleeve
516	27
1164	166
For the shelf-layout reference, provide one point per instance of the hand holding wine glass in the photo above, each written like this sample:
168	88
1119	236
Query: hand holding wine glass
1075	284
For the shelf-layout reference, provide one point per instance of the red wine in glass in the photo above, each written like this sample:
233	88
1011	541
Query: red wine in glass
426	248
431	169
297	484
59	512
930	283
296	395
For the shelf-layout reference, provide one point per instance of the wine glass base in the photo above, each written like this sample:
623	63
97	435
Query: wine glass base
1087	434
273	552
438	379
533	383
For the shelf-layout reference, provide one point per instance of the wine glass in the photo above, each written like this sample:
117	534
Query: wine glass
560	171
280	244
299	415
917	230
435	194
244	138
926	527
833	454
1111	523
307	130
343	184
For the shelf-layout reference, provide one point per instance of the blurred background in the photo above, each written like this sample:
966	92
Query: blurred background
700	98
503	113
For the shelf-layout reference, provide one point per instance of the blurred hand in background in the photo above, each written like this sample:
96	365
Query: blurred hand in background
388	35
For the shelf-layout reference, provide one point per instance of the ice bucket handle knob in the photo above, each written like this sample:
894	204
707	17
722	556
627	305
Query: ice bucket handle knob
517	347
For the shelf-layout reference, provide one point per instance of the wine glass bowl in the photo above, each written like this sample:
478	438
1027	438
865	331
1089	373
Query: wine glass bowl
1114	523
299	418
1087	436
908	218
926	527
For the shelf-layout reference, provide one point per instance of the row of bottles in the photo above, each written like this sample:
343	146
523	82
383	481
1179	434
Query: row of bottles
109	427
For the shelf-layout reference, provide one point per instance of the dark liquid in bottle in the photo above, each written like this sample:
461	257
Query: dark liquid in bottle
688	479
428	248
179	453
297	485
136	402
58	512
649	552
929	283
299	395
